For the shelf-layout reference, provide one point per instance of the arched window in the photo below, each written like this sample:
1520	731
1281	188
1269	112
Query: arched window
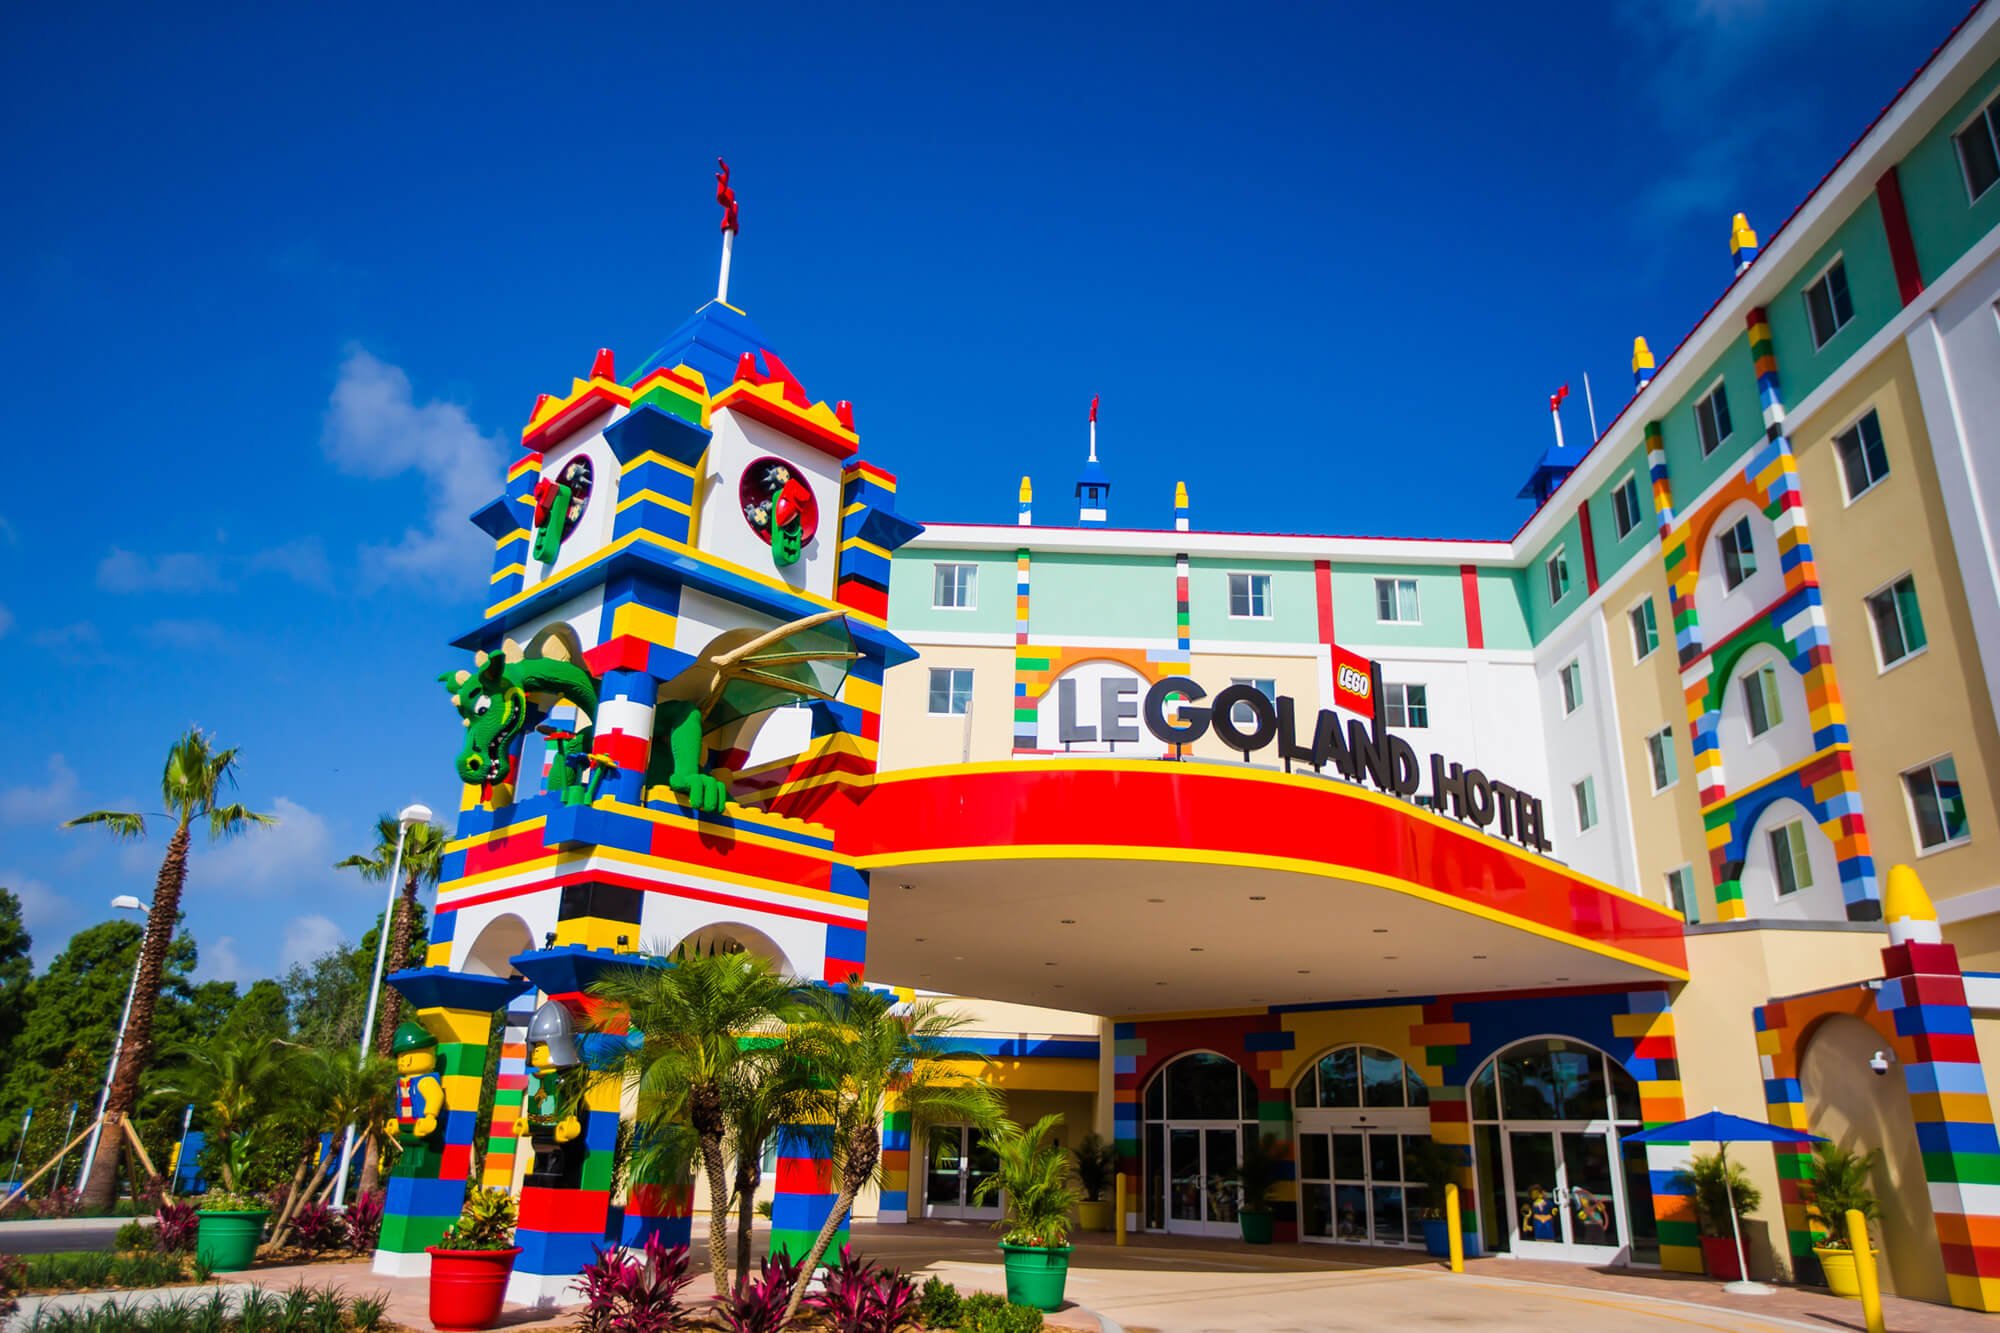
1360	1076
1551	1079
1198	1109
1202	1086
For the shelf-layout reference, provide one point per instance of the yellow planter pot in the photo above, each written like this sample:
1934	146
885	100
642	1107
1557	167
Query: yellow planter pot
1838	1265
1093	1216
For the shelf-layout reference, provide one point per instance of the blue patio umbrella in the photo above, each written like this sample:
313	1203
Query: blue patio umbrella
1723	1130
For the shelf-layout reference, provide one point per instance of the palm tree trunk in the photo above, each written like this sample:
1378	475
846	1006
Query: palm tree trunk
294	1197
371	1168
407	908
746	1210
718	1211
137	1050
864	1150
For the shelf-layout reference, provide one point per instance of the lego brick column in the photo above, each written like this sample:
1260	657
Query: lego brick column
1127	1049
662	1208
1451	1120
509	1096
806	1193
1027	727
1266	1053
895	1203
458	1010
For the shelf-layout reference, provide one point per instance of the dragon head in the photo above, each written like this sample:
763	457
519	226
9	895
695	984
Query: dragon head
495	712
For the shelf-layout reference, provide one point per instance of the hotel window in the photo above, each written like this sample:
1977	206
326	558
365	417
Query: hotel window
1760	699
954	587
1937	804
1625	505
1978	157
1396	600
1249	596
1586	804
1863	460
1572	684
1739	556
1660	754
951	691
1711	419
1240	714
1789	861
1680	893
1645	630
1557	568
1408	705
1828	304
1899	625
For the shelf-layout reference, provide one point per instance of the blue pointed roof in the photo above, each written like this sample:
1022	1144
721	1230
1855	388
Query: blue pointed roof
712	340
1554	464
1093	475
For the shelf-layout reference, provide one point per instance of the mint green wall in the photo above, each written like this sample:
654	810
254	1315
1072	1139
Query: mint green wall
1942	222
1500	611
911	581
1535	582
1294	602
1440	606
1871	279
1103	596
1613	550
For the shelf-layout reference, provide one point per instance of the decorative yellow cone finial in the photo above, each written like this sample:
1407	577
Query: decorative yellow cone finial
1908	910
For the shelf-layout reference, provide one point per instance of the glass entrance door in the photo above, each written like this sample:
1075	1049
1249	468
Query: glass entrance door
956	1159
1566	1198
1201	1190
1352	1188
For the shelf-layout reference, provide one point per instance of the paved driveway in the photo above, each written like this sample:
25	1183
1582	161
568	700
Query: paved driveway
40	1236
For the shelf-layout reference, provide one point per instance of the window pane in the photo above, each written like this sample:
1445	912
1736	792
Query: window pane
1580	1084
1836	286
1306	1093
1419	706
1873	451
1384	1163
1340	1079
1316	1210
1795	837
1348	1157
1938	803
1260	594
1485	1096
1156	1095
1781	861
1315	1160
1203	1087
1381	1080
1406	598
1888	627
1420	1093
1819	309
1385	600
1527	1084
1975	152
1912	618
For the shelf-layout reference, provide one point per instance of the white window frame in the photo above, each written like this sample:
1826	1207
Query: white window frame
1624	530
1688	907
1771	700
1632	628
1251	585
1243	721
1583	793
1910	805
1666	736
1875	633
1749	530
1572	698
1701	441
1395	583
1986	112
1390	700
950	691
965	581
1557	562
1839	261
1798	854
1840	463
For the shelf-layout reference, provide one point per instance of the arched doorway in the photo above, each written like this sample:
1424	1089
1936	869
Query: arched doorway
1555	1181
1357	1112
732	937
492	953
1197	1109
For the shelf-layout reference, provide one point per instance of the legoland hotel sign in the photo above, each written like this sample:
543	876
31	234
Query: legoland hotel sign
1244	718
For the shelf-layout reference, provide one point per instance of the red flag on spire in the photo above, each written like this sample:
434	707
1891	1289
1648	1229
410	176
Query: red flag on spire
1093	407
725	196
1556	398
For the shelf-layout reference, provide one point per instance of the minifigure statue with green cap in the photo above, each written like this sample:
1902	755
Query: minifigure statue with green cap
420	1104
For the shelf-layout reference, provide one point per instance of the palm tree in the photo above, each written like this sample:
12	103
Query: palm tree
700	1017
785	1090
329	1092
866	1051
192	785
235	1082
423	862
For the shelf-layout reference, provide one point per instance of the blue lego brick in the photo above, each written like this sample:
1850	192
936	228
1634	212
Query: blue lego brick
600	1131
672	1231
442	988
445	923
406	1196
551	1252
570	969
1937	1020
847	943
848	882
803	1142
1270	1041
894	1201
1942	1076
461	1124
1120	1031
649	428
1958	1137
1782	1091
800	1212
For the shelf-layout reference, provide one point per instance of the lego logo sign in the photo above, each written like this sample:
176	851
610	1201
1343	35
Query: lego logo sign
1354	682
1352	690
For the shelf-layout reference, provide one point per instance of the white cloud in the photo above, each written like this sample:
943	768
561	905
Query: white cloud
298	848
49	801
306	938
197	635
220	962
374	427
176	571
304	561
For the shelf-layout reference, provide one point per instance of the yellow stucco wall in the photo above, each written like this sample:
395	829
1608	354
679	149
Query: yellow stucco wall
1296	676
912	738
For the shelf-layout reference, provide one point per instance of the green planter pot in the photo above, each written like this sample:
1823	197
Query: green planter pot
1036	1276
1256	1225
227	1241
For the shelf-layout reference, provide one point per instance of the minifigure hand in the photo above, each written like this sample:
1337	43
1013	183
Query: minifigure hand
568	1129
426	1126
391	1126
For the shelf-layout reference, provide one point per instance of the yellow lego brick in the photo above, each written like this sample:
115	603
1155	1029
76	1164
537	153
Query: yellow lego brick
1642	1025
644	622
1454	1132
1735	911
594	932
603	1094
1963	1107
461	1090
1661	1088
468	1026
637	496
438	955
863	694
1681	1259
511	571
1973	1293
1770	1042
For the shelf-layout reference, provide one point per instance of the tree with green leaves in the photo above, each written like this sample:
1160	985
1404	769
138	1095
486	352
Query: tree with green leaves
260	1011
193	784
423	861
700	1017
17	971
235	1083
783	1089
868	1051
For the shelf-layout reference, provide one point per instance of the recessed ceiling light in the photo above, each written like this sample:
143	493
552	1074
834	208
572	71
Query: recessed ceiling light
1159	983
1479	955
1256	897
1562	978
1392	990
1069	921
1389	957
1156	900
908	887
920	939
958	958
1305	971
1194	948
1057	986
1048	964
1381	930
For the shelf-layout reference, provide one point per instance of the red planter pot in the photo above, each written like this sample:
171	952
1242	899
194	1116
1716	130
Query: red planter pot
1718	1255
467	1287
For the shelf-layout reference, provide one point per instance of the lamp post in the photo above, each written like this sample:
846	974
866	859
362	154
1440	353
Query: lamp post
124	902
408	815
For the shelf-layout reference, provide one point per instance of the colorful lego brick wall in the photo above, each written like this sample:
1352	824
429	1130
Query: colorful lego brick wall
508	1130
806	1191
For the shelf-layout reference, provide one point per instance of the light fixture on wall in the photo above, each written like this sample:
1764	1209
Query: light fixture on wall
1880	1062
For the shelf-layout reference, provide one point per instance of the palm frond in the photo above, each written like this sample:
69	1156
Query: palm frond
226	821
122	824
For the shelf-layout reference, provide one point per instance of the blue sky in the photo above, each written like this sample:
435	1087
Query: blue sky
281	286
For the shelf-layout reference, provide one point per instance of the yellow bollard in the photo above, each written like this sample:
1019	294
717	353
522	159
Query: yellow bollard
1454	1226
1118	1206
1864	1270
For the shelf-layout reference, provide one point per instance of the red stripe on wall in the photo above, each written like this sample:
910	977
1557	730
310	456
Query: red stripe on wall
1475	627
1589	547
1896	225
1323	591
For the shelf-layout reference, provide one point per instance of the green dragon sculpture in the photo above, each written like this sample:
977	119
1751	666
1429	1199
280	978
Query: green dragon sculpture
723	684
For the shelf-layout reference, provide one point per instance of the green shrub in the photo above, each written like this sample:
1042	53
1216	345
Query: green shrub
222	1201
1715	1183
983	1312
487	1223
938	1304
1837	1179
134	1236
